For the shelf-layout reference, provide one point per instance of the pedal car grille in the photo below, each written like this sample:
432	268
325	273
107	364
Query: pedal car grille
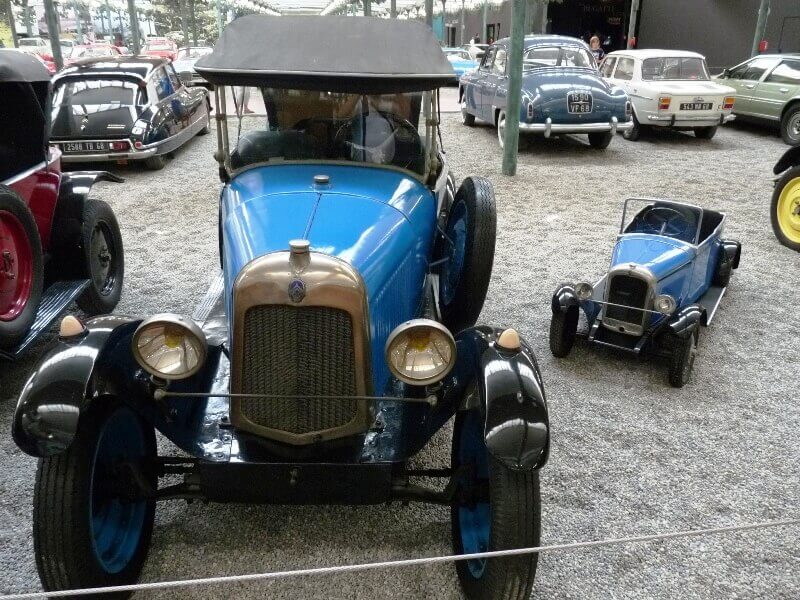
298	351
626	291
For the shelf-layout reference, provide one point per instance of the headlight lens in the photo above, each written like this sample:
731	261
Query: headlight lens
665	304
584	291
420	352
170	346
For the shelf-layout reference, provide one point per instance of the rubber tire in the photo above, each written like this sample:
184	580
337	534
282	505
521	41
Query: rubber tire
785	134
791	174
681	359
705	133
155	163
563	329
600	140
635	132
467	119
516	514
93	301
12	332
61	534
470	292
501	117
722	274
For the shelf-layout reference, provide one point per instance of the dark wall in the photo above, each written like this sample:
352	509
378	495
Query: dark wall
722	30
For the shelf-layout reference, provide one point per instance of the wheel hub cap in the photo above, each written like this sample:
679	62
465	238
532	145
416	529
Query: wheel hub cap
788	210
16	267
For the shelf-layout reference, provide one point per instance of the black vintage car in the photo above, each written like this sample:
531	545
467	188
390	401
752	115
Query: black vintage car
125	108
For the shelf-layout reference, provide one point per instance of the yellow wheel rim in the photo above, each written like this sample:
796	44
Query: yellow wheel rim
789	210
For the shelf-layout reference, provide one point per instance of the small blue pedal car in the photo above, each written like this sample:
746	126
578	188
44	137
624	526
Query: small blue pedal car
669	270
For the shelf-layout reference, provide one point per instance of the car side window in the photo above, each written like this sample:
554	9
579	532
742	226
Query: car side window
499	66
607	68
488	59
756	68
173	77
163	85
788	73
625	69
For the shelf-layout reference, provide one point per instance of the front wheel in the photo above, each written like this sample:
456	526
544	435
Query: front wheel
85	533
102	257
600	140
634	132
495	508
705	133
684	352
785	209
563	328
467	118
790	126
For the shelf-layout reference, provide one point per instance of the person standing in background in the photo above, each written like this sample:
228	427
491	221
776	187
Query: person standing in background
597	50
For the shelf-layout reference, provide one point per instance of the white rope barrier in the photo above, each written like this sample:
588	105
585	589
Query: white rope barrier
391	564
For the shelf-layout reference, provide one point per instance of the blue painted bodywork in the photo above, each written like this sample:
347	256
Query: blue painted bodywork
460	66
380	221
545	88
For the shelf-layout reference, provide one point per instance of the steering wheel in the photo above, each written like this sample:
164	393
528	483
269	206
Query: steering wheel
667	221
388	151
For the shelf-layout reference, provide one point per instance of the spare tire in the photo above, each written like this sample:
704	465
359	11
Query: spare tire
21	268
468	248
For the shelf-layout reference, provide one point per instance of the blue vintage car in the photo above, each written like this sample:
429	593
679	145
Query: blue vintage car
338	339
562	92
461	60
669	270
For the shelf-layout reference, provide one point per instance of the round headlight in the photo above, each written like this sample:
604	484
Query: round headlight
584	291
665	304
170	346
420	352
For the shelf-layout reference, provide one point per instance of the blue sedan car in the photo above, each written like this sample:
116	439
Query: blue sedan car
462	62
562	92
669	270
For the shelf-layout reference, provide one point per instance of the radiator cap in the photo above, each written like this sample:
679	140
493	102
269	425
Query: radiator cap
299	246
509	340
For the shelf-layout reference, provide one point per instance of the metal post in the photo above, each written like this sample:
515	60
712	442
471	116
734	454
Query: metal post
761	25
78	33
393	9
511	141
194	23
11	23
134	17
632	23
28	20
219	17
463	25
184	22
367	8
484	38
429	13
51	17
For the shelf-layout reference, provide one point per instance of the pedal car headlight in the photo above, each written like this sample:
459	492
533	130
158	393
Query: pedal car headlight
420	352
170	346
584	291
665	304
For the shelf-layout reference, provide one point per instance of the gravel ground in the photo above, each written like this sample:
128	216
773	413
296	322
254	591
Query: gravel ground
630	455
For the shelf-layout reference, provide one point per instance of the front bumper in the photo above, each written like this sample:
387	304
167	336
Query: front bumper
549	128
698	121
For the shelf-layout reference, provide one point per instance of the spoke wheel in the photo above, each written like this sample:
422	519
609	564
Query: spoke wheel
786	209
16	267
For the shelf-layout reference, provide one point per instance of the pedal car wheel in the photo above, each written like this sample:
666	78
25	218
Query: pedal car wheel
722	274
790	126
469	250
600	140
563	327
495	509
155	163
785	211
466	118
21	268
103	258
705	133
84	534
634	132
684	352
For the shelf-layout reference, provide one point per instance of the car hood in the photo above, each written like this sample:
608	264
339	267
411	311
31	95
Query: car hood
692	88
661	255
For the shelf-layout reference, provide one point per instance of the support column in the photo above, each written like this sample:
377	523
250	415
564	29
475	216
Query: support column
429	13
134	19
632	23
219	18
78	32
11	23
761	25
184	22
511	138
484	37
393	9
194	22
367	8
51	17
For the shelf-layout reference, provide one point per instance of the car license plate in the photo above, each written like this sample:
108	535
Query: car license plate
579	102
697	105
85	147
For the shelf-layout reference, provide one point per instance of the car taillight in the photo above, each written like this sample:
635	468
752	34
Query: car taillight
664	102
727	104
628	109
530	110
119	146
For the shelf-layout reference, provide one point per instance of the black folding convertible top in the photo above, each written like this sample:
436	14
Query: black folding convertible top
330	53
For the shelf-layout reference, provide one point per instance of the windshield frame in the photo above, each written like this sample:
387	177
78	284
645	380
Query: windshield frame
681	59
562	48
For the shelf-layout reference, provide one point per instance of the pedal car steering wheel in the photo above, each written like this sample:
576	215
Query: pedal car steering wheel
663	220
400	144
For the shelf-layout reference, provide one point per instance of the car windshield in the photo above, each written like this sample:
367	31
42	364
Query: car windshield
28	42
158	46
457	55
314	125
674	68
185	53
76	92
557	56
84	52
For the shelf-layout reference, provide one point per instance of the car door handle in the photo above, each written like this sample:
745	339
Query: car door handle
749	86
784	90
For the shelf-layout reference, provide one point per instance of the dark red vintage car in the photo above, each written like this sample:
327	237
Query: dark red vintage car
56	245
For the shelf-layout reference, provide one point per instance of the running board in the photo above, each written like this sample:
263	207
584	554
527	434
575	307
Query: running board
55	301
710	301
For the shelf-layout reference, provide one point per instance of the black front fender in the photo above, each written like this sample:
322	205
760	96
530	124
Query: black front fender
788	160
64	384
685	321
564	297
510	393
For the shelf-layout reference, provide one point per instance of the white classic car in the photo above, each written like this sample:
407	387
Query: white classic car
670	88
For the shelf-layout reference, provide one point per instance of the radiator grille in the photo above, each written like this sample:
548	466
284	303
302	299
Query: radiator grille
627	291
298	351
